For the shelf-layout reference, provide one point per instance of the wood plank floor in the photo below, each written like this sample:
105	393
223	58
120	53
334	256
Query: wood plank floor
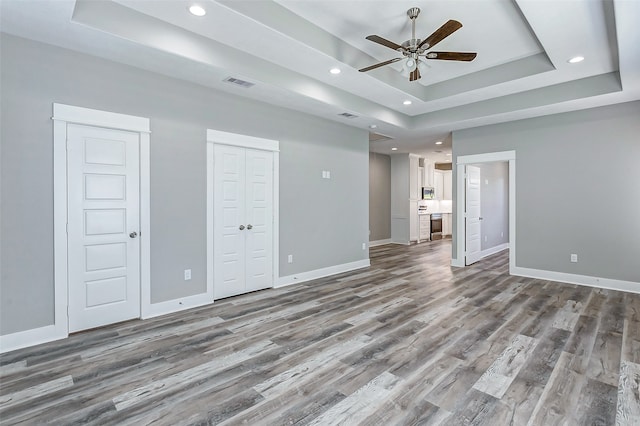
408	341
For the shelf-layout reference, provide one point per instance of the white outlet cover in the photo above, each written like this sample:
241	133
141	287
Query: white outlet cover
574	258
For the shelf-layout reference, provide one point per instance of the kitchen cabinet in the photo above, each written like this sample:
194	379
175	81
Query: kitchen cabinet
414	190
425	227
447	224
443	184
447	186
438	183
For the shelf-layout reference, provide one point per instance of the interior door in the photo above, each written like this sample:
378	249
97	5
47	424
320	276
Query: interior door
103	225
259	217
243	220
229	221
473	220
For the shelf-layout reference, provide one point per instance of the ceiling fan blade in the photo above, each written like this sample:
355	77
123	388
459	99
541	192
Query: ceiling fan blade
381	64
415	75
384	42
452	56
440	34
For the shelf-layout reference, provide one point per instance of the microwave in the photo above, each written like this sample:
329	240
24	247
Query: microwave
428	193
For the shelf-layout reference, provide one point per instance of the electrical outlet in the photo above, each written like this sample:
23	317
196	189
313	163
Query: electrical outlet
364	246
574	258
187	274
290	258
328	174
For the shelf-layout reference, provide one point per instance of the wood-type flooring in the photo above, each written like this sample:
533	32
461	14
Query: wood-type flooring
408	341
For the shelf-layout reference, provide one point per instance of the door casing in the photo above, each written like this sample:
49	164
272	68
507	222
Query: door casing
68	114
459	236
244	141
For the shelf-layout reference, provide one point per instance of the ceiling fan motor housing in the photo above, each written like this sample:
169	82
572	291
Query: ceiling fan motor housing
414	50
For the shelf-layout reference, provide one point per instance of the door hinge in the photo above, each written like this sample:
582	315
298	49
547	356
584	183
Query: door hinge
66	228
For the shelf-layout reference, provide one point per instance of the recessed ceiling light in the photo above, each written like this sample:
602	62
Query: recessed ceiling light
373	126
394	149
334	70
197	10
439	143
407	102
576	59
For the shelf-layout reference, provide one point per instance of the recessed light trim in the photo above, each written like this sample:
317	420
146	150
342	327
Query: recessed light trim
448	155
439	143
394	149
407	102
576	59
197	10
335	71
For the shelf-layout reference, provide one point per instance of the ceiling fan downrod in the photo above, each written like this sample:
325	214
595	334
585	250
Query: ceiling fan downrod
413	15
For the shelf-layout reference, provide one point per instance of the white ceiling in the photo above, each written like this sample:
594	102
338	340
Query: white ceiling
287	47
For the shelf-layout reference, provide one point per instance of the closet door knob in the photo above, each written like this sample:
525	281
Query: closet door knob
241	227
133	234
249	226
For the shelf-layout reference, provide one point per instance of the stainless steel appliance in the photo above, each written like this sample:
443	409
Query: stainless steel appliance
436	226
428	193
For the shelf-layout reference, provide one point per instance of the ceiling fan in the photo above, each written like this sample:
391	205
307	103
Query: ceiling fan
415	50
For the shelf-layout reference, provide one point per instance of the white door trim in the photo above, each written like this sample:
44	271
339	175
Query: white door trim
463	160
234	139
62	116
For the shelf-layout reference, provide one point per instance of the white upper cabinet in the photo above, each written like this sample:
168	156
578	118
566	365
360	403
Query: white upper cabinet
414	189
443	184
447	188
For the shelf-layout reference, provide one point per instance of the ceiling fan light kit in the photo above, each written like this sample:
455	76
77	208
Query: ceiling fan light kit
414	50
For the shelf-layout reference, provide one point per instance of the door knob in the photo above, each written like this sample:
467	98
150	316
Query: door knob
480	218
133	234
249	226
241	227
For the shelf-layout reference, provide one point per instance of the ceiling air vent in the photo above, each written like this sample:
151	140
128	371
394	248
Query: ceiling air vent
237	81
347	115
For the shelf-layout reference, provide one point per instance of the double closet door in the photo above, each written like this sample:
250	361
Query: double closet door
242	221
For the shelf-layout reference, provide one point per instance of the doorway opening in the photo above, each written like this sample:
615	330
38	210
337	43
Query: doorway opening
472	243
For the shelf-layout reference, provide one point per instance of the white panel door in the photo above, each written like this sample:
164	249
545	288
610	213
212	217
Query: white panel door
229	221
243	220
103	226
473	220
259	217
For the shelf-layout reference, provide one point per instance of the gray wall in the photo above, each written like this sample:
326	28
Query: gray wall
400	198
322	222
577	180
494	203
379	197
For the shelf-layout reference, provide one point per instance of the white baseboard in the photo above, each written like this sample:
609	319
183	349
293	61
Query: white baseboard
35	336
606	283
380	242
323	272
493	250
176	305
459	263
